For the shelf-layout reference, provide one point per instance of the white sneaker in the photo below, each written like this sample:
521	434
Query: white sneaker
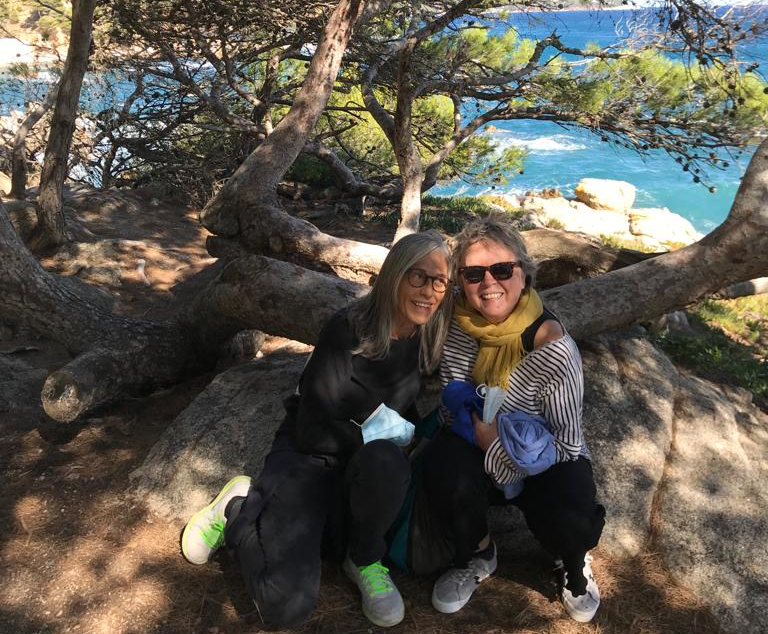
204	532
382	603
455	587
583	607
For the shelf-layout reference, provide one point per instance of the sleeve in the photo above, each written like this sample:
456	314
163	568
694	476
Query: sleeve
499	466
323	418
562	403
456	363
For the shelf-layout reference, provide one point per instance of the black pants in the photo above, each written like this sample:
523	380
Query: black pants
299	498
559	504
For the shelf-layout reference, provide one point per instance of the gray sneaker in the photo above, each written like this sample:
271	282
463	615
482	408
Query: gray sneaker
455	587
382	603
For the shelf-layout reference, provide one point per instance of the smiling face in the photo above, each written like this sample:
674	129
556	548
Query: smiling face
495	300
415	306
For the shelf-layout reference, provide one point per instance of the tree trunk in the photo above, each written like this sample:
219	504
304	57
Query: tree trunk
19	154
233	208
757	286
119	356
247	207
406	150
51	226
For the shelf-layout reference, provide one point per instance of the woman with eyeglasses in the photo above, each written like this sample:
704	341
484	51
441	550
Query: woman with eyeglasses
501	335
337	473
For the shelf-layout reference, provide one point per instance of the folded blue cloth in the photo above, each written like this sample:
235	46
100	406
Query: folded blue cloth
461	399
527	441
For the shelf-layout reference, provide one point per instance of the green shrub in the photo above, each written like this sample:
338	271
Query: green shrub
310	171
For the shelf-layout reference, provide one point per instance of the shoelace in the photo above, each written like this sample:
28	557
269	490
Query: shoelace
214	536
376	579
460	575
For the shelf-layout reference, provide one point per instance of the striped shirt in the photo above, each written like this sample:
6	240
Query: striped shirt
548	382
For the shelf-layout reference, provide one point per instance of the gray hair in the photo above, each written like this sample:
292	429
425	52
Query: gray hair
497	228
372	316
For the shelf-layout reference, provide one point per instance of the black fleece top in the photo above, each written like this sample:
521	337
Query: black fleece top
338	387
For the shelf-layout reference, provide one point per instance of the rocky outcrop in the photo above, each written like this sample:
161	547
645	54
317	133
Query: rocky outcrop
601	193
603	209
679	462
573	215
662	226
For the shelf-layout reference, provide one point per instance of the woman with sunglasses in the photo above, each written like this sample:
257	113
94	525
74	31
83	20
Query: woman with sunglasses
501	335
337	471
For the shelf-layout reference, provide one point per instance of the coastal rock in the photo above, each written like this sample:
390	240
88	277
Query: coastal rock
601	193
5	184
573	215
628	418
662	225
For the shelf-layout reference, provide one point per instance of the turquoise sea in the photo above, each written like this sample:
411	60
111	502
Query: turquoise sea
557	157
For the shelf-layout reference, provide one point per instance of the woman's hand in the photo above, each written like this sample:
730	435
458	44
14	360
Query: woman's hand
485	434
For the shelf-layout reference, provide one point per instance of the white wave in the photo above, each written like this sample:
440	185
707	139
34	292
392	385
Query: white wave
543	144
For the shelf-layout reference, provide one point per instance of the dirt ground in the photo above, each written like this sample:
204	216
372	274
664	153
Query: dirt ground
80	554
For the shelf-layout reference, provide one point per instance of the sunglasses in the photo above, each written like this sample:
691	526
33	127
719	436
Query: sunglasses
500	271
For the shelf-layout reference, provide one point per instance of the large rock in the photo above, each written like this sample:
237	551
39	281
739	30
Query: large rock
225	431
713	507
572	215
628	419
600	193
662	225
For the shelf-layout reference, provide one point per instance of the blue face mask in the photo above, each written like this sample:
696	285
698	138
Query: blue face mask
386	424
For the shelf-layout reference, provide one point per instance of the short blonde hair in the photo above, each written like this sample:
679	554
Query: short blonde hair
497	228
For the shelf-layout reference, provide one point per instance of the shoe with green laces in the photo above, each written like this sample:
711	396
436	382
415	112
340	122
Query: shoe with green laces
204	533
382	603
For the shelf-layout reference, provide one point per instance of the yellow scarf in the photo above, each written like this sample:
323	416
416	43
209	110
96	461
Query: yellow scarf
501	345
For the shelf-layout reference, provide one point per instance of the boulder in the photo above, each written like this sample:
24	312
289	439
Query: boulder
662	225
225	431
628	418
600	193
713	505
572	215
5	184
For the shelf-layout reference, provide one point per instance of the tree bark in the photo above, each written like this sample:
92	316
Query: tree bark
51	226
758	286
19	154
406	150
254	183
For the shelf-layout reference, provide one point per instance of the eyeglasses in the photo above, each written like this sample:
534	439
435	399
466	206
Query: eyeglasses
417	278
500	271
